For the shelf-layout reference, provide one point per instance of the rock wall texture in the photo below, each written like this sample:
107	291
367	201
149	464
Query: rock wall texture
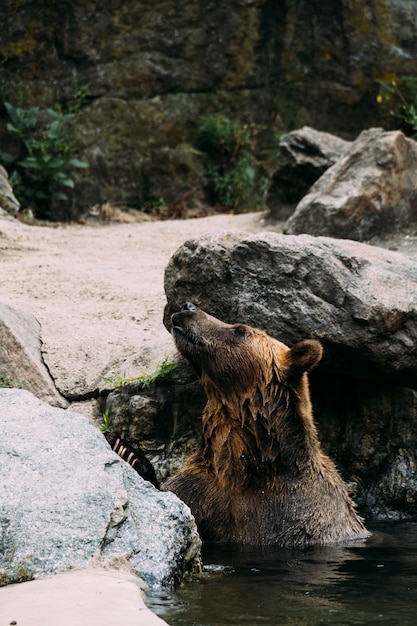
153	68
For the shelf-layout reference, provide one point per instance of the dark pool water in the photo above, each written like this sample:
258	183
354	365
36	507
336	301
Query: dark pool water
373	582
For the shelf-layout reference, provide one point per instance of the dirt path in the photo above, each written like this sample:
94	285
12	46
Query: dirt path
97	290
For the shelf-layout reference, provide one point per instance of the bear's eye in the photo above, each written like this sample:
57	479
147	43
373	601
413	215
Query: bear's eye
238	332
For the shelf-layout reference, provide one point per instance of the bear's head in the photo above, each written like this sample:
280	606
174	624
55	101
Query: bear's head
236	357
258	417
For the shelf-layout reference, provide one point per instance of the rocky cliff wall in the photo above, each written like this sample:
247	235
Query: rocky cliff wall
153	68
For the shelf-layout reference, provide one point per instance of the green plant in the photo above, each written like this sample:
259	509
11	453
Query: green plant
220	137
76	101
104	426
15	571
164	371
399	98
147	201
42	156
24	574
20	574
4	382
237	178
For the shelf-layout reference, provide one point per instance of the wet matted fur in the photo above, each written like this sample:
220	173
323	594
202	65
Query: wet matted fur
258	475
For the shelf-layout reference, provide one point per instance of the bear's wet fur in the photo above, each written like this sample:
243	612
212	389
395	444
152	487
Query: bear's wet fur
258	475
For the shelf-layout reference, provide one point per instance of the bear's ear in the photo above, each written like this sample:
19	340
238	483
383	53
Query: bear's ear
303	356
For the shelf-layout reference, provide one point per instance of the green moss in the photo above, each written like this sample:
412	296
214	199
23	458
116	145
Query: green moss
242	47
4	382
164	371
374	20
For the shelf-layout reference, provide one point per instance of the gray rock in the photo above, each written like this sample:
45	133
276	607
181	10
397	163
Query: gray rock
21	357
359	300
305	154
67	500
161	418
8	201
369	429
396	492
369	192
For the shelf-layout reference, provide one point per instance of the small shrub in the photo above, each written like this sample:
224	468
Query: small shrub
4	382
147	201
237	178
399	99
19	573
104	426
42	156
220	137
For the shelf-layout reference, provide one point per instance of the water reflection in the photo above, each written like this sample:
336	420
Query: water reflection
373	582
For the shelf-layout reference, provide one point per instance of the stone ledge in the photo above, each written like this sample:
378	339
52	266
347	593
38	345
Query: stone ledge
82	597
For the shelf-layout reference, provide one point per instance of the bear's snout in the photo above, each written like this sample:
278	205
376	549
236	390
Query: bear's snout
178	318
189	306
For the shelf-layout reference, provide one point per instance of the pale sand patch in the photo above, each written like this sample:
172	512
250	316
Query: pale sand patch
90	597
98	291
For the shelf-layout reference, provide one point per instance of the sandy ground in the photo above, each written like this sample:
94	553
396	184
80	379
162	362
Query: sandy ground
97	290
92	597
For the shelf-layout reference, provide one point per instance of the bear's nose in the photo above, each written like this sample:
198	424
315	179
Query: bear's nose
188	306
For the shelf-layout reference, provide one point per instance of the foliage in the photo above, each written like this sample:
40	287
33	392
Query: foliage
237	178
399	98
4	382
43	142
104	426
19	573
147	201
163	371
220	137
14	571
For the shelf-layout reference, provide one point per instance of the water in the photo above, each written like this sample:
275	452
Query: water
373	582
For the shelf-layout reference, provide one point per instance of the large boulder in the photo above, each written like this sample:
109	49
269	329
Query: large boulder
68	501
361	303
162	418
21	362
359	300
370	192
304	155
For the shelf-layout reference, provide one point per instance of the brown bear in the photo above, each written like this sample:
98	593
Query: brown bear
258	475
